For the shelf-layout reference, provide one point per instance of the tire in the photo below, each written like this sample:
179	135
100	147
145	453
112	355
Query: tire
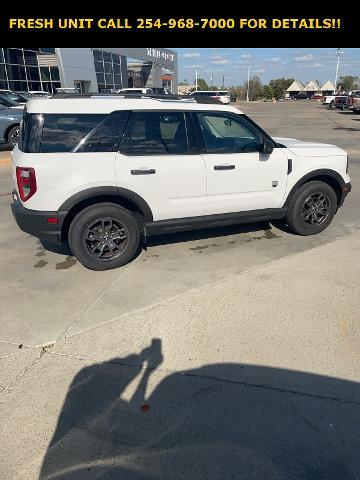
332	104
301	218
13	135
104	236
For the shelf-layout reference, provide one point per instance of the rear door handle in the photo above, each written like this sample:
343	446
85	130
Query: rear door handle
143	171
224	167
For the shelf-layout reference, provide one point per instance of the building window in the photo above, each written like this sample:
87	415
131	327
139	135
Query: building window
110	64
19	70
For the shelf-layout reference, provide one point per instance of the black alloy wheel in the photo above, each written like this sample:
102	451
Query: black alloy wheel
316	209
13	136
106	238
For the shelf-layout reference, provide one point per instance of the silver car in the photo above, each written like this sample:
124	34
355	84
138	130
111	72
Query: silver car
10	119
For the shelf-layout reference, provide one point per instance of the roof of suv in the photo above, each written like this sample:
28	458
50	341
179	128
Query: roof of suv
110	104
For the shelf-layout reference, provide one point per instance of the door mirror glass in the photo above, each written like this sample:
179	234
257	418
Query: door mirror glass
268	147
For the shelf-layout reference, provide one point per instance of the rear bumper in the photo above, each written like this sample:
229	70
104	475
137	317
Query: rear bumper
345	190
35	222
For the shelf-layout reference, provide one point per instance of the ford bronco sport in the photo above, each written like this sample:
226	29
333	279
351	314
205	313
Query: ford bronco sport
102	172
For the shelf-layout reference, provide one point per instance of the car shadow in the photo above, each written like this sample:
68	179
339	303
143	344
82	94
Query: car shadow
187	236
219	421
347	129
208	233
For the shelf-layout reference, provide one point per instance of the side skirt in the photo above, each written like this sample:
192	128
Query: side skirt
218	220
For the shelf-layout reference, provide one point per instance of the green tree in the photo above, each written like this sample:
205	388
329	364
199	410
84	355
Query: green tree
268	92
279	86
256	88
202	85
349	82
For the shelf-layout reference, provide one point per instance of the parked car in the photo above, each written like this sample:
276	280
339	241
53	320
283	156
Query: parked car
25	95
327	99
6	102
318	98
301	96
222	96
136	91
39	93
104	172
10	119
14	96
340	101
355	102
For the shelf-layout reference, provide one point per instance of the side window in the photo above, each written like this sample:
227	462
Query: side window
157	133
225	134
63	132
106	135
82	132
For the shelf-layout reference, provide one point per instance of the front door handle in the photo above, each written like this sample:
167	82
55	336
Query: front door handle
143	171
224	167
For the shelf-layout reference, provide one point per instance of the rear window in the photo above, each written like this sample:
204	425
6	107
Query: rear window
55	133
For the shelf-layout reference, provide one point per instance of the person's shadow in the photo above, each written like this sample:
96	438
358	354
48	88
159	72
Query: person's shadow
221	421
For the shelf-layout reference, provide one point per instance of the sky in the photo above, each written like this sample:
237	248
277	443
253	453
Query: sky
303	64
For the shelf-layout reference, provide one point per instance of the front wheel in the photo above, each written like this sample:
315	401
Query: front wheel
104	236
332	104
312	208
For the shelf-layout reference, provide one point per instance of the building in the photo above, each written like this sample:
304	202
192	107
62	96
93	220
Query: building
295	88
311	88
87	69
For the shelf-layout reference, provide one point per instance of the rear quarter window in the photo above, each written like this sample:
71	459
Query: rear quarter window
56	133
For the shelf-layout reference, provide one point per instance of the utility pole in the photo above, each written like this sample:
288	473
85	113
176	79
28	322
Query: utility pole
223	85
196	79
338	53
248	84
211	80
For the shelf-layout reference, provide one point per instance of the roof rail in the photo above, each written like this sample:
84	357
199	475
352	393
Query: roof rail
149	96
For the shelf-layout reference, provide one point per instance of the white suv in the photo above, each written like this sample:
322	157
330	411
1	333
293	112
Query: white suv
103	172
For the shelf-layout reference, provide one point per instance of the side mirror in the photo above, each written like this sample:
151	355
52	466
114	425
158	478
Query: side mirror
267	147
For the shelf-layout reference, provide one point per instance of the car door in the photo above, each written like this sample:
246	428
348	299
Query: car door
160	160
239	176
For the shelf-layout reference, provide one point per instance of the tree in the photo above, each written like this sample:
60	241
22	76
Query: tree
268	92
279	86
256	88
202	85
349	82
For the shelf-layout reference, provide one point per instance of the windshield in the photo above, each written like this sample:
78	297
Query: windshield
7	101
223	94
11	96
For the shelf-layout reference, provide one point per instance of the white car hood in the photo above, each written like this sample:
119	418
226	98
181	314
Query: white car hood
310	149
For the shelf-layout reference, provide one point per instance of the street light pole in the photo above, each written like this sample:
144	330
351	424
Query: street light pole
196	79
338	53
248	84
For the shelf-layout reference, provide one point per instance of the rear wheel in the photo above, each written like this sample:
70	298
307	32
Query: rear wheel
104	236
332	104
13	135
311	208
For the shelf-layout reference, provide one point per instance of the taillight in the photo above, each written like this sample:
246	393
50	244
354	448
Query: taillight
26	181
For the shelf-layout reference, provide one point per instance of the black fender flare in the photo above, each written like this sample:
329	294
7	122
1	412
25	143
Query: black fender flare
92	193
324	172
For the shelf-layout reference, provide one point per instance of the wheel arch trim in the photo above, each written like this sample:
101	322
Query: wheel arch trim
313	175
92	193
